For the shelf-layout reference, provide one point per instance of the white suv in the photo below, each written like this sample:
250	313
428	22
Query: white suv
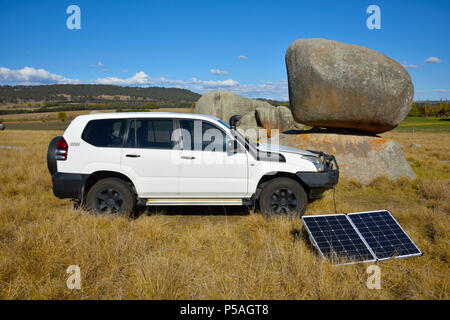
110	163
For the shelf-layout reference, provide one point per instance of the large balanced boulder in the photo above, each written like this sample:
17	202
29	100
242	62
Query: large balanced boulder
361	158
338	85
224	104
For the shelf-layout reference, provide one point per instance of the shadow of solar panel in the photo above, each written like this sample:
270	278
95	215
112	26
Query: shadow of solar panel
336	239
384	235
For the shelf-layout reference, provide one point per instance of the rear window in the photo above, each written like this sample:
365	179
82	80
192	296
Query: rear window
107	133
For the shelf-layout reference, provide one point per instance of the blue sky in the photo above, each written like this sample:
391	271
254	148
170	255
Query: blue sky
205	45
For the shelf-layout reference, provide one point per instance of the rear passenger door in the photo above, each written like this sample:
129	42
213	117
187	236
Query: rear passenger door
150	157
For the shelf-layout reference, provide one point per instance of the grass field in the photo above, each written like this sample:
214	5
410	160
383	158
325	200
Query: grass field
413	124
49	121
213	253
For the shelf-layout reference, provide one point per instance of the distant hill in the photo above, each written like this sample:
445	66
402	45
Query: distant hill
36	96
275	102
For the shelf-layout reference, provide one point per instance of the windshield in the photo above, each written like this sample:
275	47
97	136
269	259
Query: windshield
247	141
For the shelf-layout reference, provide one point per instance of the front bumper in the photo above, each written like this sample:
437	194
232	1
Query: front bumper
318	182
68	185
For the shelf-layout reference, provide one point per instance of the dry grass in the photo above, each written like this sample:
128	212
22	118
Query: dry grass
212	256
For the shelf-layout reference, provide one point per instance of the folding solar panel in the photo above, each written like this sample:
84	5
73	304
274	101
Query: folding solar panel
359	237
336	238
384	235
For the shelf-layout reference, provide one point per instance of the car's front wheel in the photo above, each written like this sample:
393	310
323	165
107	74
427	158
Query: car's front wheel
111	196
283	197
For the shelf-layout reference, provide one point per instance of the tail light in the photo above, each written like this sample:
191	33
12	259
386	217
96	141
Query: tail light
62	149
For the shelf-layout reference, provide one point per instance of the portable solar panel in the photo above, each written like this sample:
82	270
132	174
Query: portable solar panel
384	235
336	238
359	237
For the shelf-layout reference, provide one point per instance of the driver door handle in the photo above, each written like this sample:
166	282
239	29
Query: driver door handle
187	158
132	155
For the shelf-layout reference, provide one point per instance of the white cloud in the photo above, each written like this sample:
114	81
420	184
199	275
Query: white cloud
242	57
100	64
420	91
139	78
442	90
409	66
432	60
270	90
264	89
218	72
214	84
31	76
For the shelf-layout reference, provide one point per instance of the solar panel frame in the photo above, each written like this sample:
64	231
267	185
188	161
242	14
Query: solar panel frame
313	238
419	253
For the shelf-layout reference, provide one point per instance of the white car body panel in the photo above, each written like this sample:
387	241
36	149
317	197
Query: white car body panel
171	176
213	174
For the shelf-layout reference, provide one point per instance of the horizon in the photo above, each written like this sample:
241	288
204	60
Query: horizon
203	46
98	84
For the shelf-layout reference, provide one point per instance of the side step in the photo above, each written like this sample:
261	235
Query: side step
193	202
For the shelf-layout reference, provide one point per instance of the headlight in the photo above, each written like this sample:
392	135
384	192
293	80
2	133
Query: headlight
315	161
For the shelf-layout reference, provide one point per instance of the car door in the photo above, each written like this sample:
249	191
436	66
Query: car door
208	170
150	156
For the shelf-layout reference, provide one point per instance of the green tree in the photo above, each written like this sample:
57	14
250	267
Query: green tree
150	105
62	116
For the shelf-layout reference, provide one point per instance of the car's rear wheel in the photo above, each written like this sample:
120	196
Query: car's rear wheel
111	196
51	156
283	197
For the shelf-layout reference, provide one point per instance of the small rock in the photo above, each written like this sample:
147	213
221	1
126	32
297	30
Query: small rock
271	117
248	120
223	104
10	147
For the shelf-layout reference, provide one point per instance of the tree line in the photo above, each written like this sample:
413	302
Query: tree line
92	93
430	109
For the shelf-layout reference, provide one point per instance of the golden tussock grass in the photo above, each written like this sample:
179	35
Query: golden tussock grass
219	256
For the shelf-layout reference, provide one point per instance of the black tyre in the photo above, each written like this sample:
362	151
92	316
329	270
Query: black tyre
283	197
51	156
111	196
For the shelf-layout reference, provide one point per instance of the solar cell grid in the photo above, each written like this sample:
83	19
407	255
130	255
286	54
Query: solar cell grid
336	238
384	235
359	237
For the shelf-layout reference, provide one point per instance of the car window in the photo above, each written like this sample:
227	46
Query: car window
150	134
202	135
105	132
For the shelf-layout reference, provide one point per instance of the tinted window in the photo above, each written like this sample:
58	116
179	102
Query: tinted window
105	132
202	135
150	134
